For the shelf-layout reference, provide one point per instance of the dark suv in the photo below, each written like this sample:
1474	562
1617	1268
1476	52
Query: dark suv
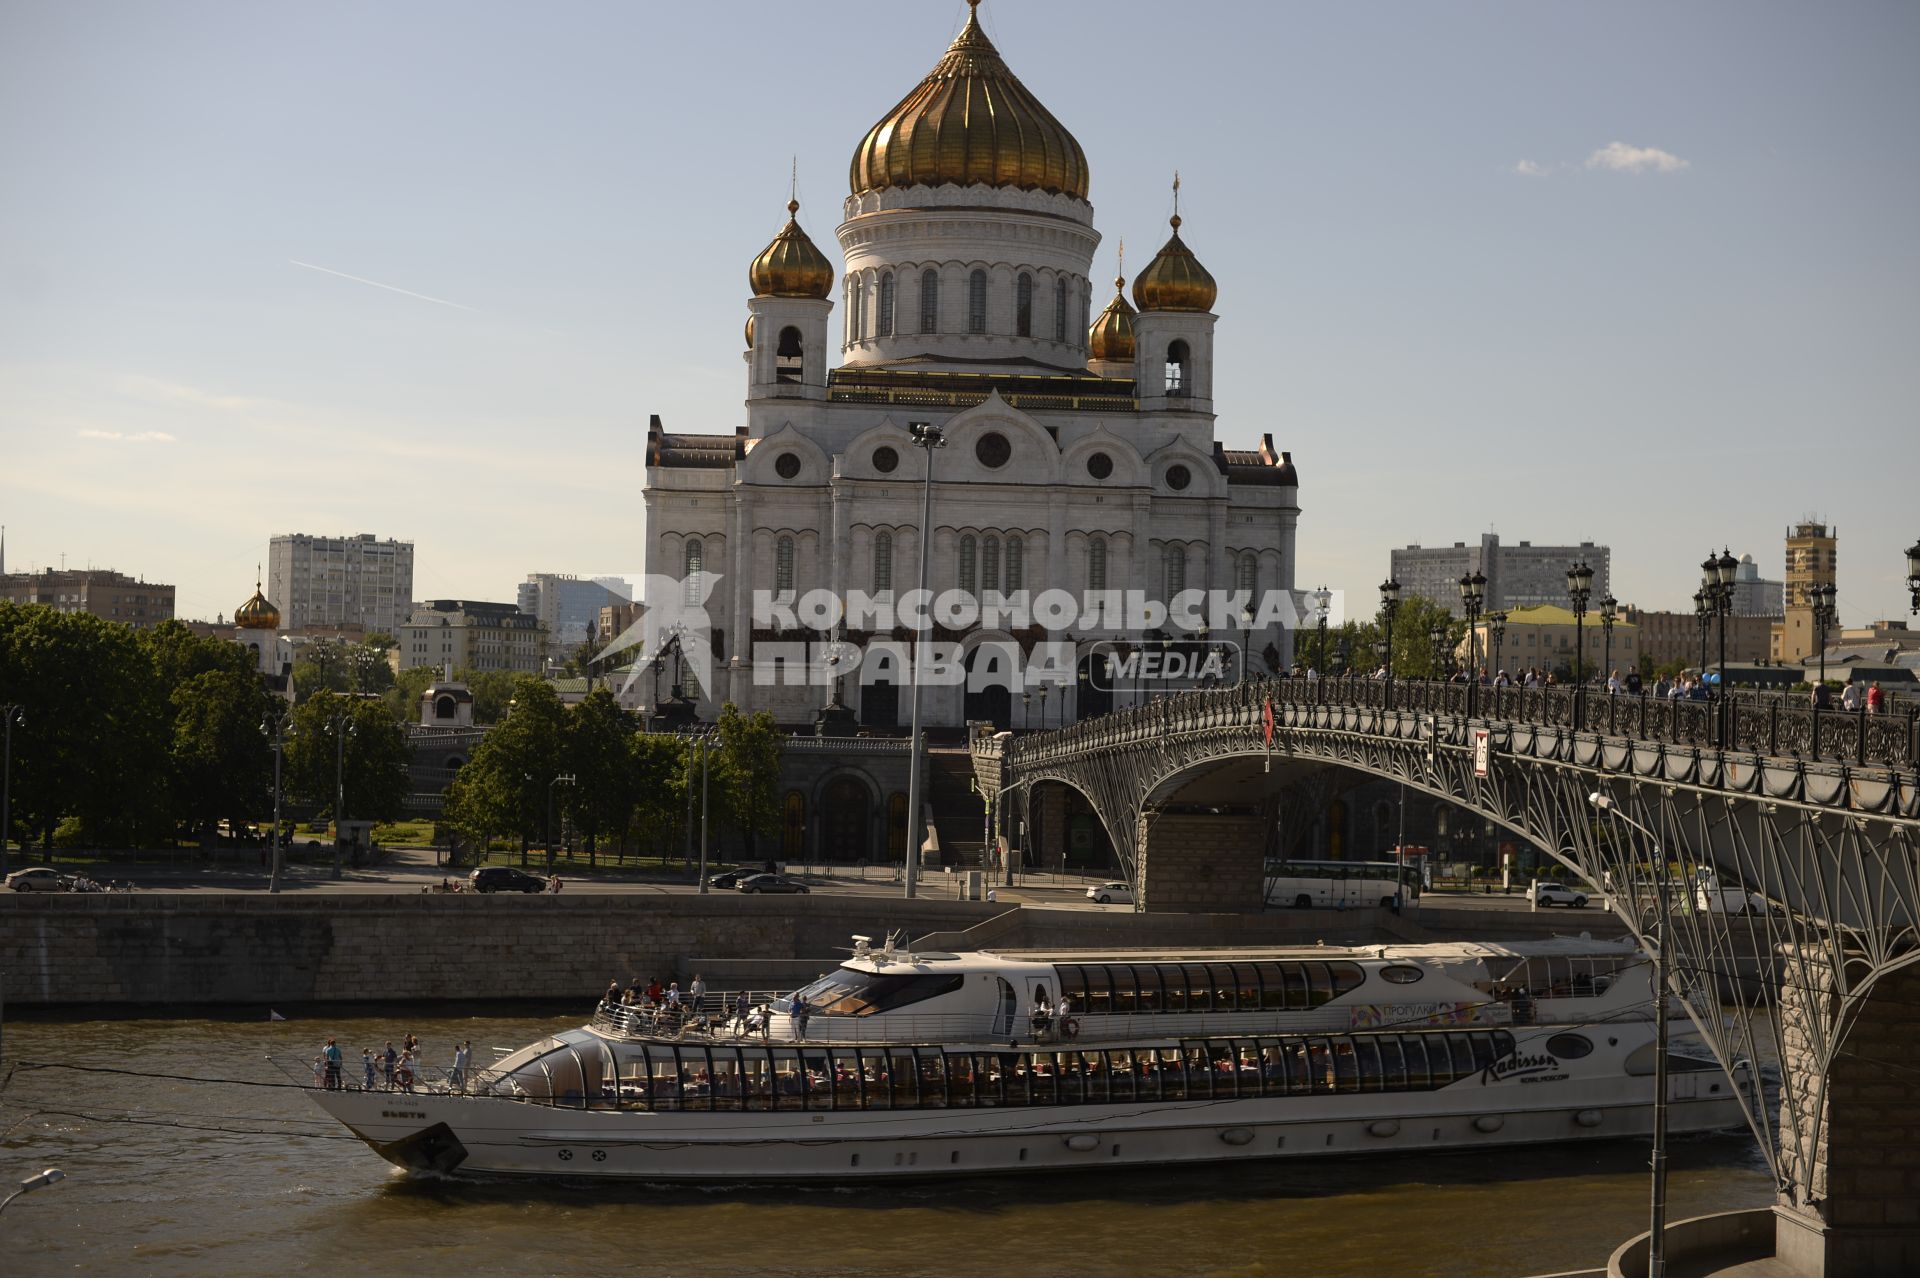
504	878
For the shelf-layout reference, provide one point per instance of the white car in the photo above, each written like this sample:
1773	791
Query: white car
1551	892
1719	899
39	879
1110	894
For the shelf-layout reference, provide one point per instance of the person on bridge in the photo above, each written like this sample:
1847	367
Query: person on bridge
1850	696
1822	697
1876	698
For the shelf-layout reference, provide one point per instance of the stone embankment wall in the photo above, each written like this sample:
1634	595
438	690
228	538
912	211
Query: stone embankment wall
281	951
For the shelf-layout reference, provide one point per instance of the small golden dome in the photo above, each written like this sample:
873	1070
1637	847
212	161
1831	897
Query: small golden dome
970	122
749	332
256	613
1174	280
1111	337
791	266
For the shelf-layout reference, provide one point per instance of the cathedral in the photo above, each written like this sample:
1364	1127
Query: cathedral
1078	444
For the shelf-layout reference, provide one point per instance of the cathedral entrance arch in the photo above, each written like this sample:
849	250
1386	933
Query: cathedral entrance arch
992	667
846	820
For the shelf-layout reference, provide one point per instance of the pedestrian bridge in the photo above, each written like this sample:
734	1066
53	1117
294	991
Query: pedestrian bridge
1808	818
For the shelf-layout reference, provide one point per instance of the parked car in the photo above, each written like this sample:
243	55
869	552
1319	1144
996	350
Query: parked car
770	883
39	879
729	878
1715	898
504	878
1551	892
1110	894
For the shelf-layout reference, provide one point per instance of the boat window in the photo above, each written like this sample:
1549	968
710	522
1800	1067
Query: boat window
1071	1085
1225	1067
846	1079
1246	979
1347	977
986	1080
872	1067
1073	987
1099	999
848	992
1126	989
1401	974
1093	1068
1570	1047
1298	1063
1367	1052
1319	984
1273	991
933	1078
1011	1069
1393	1064
1319	1066
1483	1053
1639	1062
1147	979
1120	1075
1346	1065
696	1079
960	1080
756	1077
1172	1075
1414	1047
663	1081
1040	1080
1298	995
726	1078
1199	988
900	1070
789	1083
1173	989
1199	1071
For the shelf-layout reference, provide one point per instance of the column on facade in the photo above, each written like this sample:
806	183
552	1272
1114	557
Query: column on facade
738	618
1219	576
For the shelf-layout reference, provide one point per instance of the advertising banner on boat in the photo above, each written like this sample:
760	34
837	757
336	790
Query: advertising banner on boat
1381	1015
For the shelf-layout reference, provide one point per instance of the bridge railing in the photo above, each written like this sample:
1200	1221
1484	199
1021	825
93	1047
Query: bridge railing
1777	725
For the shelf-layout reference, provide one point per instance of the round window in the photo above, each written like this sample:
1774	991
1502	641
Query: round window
993	450
1099	465
1570	1047
885	460
1401	975
1178	477
787	465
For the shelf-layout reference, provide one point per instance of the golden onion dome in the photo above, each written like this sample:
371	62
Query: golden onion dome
256	613
1174	280
791	266
1111	337
749	332
970	122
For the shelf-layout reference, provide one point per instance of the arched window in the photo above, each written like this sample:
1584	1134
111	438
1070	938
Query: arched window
1023	306
1016	564
788	359
1097	564
883	562
990	563
691	566
1060	309
783	566
1176	572
859	309
968	562
846	311
1086	301
977	302
1246	574
929	301
885	328
1177	360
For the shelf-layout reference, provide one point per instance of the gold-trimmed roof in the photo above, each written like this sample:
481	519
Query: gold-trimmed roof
791	266
1111	337
256	613
970	122
1174	280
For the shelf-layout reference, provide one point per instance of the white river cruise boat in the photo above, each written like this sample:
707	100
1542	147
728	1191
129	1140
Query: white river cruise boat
936	1064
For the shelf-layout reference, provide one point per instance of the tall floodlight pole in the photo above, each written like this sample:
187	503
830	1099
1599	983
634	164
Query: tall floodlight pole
1657	1211
12	714
928	437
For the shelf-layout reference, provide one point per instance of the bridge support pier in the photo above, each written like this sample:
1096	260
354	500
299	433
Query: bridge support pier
1854	1142
1211	862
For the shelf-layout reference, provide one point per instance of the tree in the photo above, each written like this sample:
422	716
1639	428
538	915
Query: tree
1412	640
222	761
746	774
503	788
659	765
493	692
372	771
329	665
605	788
403	698
93	746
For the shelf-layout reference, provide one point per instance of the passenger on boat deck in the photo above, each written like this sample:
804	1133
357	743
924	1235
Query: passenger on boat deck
741	1004
1063	1017
366	1060
673	994
697	994
403	1073
654	991
755	1022
613	993
332	1054
801	1013
387	1060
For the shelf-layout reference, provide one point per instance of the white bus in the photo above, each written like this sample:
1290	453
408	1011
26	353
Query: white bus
1304	885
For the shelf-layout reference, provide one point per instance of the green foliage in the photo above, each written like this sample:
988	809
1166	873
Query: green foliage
221	764
606	785
746	774
503	788
493	692
659	765
329	665
1413	654
352	742
403	698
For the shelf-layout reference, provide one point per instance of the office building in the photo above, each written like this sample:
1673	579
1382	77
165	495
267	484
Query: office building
344	582
1522	575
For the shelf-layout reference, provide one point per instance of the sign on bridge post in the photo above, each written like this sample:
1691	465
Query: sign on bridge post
1482	751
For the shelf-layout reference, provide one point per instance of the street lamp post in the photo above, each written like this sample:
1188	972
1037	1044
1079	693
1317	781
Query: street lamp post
1342	655
11	714
1473	597
1716	583
1913	574
1579	590
1497	631
1437	640
343	727
1246	639
1389	605
51	1176
275	726
1823	617
929	437
1703	615
1657	1207
1322	605
1043	707
565	778
1609	613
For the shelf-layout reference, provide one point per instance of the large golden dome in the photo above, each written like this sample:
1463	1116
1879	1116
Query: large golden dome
969	122
791	266
256	613
1174	280
1111	337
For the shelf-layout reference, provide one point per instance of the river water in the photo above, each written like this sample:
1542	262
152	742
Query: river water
169	1177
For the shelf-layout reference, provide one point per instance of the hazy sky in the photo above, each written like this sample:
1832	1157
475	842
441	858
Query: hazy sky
1646	274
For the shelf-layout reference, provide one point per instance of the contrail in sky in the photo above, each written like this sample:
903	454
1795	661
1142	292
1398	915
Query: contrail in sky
406	292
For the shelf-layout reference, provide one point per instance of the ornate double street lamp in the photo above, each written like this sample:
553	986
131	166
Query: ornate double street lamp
1497	631
1579	590
929	437
1437	637
1913	574
11	714
1716	583
1609	613
1473	597
1342	654
1246	638
1322	603
1389	605
1823	617
1704	616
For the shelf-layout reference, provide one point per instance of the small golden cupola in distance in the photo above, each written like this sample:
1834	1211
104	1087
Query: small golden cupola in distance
791	266
1111	337
1174	280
